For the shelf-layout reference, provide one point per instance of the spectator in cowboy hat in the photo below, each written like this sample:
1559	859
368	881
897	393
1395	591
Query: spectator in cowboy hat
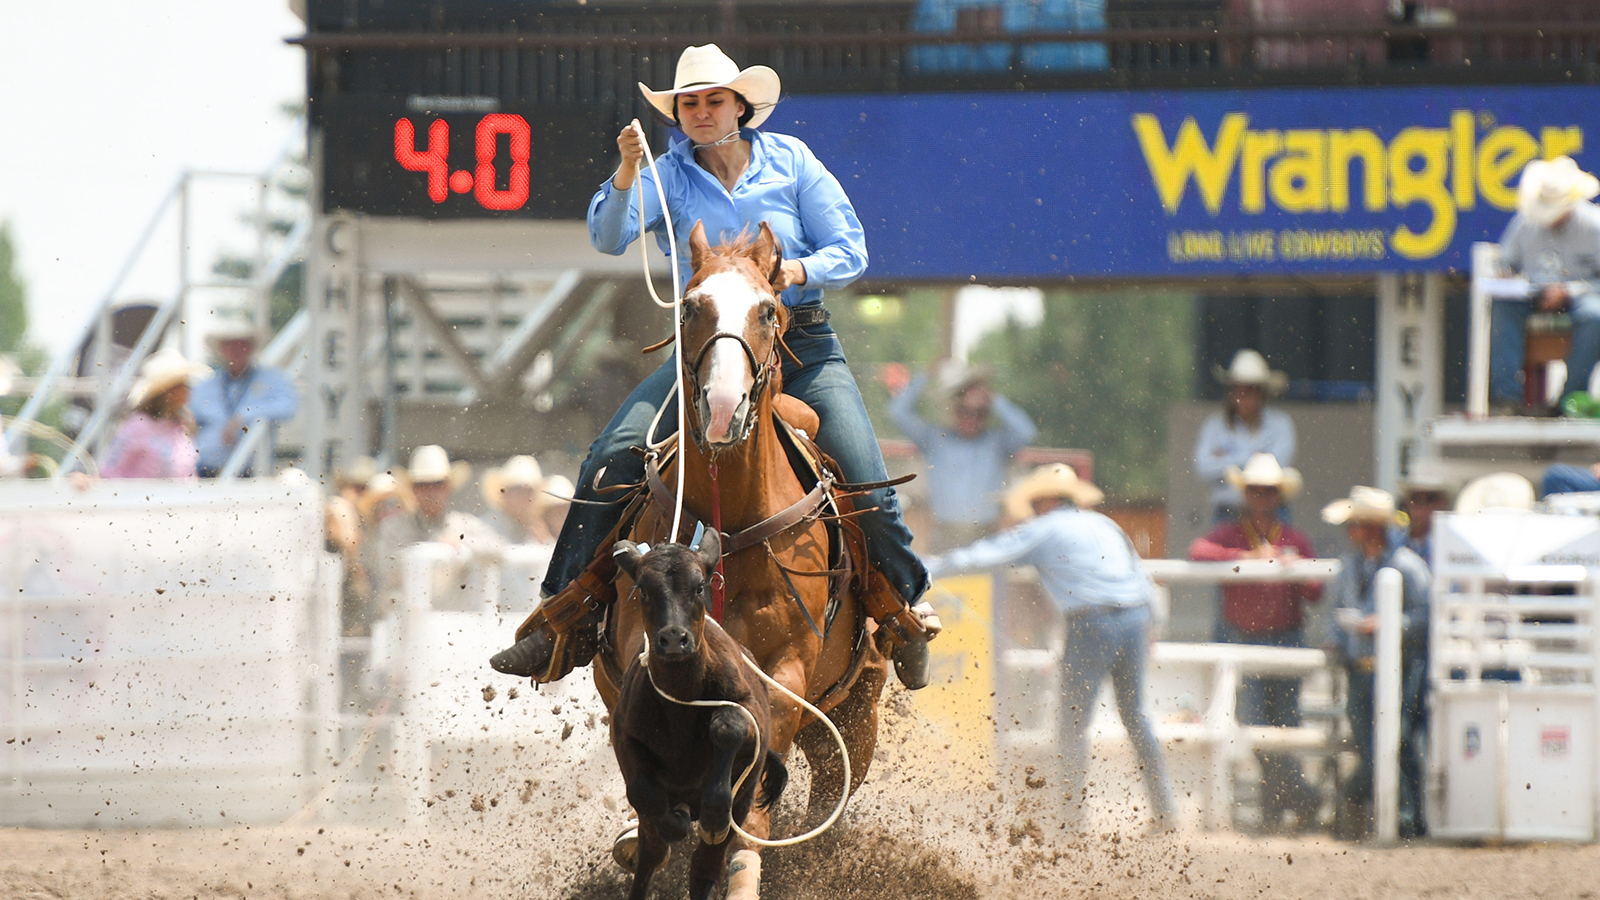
966	458
430	480
1553	241
1426	493
522	497
241	396
1092	573
156	440
1368	515
1270	614
1243	428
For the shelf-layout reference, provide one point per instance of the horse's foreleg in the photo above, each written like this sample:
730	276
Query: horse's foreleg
705	869
652	853
649	799
729	732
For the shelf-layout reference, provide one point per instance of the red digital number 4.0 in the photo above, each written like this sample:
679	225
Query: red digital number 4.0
435	160
432	160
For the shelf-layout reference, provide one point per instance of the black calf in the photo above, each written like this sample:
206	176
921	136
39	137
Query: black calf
679	761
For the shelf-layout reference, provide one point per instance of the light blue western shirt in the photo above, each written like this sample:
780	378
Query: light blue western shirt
1084	559
259	398
966	473
785	186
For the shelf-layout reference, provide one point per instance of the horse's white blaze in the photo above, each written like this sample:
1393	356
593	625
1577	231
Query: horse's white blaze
728	380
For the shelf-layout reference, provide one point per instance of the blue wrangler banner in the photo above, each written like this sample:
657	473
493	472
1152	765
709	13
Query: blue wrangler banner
1172	183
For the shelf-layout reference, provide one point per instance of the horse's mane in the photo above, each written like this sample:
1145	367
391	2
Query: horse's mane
738	245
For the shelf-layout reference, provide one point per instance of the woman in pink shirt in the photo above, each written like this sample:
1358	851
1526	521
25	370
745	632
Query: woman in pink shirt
157	439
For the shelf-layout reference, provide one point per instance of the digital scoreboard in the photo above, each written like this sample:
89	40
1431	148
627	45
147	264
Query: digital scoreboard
462	157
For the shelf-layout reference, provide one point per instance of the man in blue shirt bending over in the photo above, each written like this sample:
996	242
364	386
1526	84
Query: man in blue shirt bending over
238	398
1092	573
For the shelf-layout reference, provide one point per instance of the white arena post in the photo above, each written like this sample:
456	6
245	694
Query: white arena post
1386	705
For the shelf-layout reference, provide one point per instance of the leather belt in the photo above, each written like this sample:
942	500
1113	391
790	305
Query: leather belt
811	314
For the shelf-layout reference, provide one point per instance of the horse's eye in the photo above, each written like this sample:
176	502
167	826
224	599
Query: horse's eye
769	312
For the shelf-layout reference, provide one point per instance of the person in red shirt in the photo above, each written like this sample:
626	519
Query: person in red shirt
1269	613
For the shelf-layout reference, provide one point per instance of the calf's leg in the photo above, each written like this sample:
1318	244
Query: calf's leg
730	730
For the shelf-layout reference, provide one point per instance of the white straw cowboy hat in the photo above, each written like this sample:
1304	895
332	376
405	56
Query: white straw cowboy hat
558	491
1263	470
163	371
1250	367
1365	504
707	67
383	486
1550	189
1501	490
232	326
519	471
430	464
1053	480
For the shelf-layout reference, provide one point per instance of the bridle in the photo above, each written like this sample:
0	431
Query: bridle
763	374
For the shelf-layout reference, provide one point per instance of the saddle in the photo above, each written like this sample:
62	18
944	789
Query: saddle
574	616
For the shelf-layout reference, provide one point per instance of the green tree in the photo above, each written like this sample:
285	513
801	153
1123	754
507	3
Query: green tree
1099	374
13	295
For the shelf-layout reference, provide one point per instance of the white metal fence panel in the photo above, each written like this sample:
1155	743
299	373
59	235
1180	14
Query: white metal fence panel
159	652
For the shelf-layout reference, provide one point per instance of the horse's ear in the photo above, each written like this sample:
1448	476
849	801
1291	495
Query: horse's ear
627	555
699	247
710	549
768	256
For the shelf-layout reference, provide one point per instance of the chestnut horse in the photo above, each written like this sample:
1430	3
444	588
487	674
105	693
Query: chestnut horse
733	324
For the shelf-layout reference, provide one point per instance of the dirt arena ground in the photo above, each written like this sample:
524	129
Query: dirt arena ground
537	822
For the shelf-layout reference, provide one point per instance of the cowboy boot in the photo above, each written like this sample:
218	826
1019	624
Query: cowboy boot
909	628
526	657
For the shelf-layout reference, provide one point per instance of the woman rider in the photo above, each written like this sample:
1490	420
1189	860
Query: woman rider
732	177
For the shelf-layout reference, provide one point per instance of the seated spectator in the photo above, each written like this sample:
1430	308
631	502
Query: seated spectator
516	492
966	459
157	439
1243	428
240	397
1368	514
1271	614
1553	241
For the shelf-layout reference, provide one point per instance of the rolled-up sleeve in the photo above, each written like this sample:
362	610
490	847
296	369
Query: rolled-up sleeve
840	254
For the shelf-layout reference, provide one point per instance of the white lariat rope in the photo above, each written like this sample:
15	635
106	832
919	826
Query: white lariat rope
677	313
844	752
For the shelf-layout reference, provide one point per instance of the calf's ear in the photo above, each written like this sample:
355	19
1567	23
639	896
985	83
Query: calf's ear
710	549
627	555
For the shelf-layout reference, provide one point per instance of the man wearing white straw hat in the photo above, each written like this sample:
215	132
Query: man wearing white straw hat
1554	241
1270	614
521	495
1244	427
1092	573
430	480
1368	515
239	397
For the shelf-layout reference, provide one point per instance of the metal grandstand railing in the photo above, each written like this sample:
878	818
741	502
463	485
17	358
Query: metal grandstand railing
171	231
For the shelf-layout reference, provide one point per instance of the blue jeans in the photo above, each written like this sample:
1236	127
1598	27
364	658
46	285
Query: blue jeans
1111	641
1508	318
1564	479
1413	730
1272	700
823	380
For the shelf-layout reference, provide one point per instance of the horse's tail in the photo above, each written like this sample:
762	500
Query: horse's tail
773	781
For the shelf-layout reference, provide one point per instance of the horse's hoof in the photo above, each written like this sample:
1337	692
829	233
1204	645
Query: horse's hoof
713	839
625	850
911	664
527	657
